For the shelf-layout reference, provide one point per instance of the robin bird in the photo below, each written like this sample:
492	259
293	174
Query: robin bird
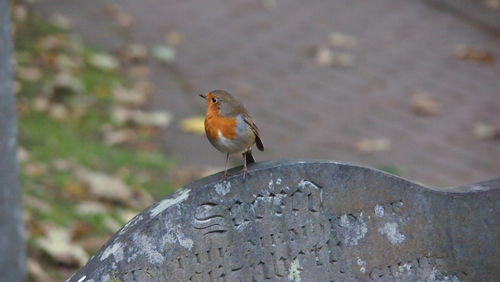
229	127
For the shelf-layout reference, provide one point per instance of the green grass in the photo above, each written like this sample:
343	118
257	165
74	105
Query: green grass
76	139
47	139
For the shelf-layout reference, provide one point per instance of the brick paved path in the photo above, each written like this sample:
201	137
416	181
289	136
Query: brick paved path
311	111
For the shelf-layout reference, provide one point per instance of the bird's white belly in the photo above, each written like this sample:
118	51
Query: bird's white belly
242	142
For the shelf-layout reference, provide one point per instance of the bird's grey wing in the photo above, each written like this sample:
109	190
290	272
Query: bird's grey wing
255	130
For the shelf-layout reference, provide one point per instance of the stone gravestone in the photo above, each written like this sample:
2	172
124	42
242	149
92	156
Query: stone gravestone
12	257
308	221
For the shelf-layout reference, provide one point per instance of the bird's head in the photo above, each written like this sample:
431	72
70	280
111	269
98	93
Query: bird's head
221	102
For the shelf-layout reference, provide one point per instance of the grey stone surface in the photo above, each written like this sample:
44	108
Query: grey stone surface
12	265
308	221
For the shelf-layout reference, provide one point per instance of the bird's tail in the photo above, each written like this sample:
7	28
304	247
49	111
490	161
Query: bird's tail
248	157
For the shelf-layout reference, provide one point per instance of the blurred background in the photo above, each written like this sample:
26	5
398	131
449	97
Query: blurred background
110	119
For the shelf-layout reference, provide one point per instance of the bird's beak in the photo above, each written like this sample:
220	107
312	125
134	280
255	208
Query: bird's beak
203	96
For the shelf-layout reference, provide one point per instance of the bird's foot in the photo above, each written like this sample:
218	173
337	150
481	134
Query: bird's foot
245	173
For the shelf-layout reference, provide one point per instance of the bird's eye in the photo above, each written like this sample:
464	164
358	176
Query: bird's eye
214	100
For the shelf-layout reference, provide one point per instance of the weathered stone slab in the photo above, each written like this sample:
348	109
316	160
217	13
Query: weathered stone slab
308	221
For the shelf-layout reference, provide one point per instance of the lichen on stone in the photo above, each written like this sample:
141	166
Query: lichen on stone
181	196
390	230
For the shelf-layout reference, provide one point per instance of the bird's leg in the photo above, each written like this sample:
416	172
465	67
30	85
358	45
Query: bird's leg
245	170
225	167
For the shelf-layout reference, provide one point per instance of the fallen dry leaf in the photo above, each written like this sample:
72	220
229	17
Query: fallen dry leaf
122	115
135	53
32	228
66	81
324	56
92	243
103	186
34	169
57	244
58	112
193	125
29	73
343	60
41	104
492	4
80	105
473	54
121	136
22	154
140	199
61	165
158	119
339	40
139	72
36	271
373	145
174	38
19	12
135	96
60	20
67	63
121	18
36	203
111	224
75	190
80	229
104	61
51	42
486	131
91	207
425	105
126	215
164	54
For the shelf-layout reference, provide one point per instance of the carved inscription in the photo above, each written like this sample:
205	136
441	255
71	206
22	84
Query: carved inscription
422	268
269	254
266	235
210	218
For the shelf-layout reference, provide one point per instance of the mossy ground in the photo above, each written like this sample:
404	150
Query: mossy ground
53	144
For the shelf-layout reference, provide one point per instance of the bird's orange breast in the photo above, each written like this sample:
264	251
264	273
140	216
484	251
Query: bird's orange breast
215	123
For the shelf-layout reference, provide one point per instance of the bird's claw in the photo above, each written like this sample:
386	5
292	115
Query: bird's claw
245	172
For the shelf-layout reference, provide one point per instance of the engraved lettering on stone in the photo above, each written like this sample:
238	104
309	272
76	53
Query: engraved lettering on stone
309	238
210	218
419	269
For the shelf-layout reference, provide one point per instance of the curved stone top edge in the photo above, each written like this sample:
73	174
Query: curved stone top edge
482	186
